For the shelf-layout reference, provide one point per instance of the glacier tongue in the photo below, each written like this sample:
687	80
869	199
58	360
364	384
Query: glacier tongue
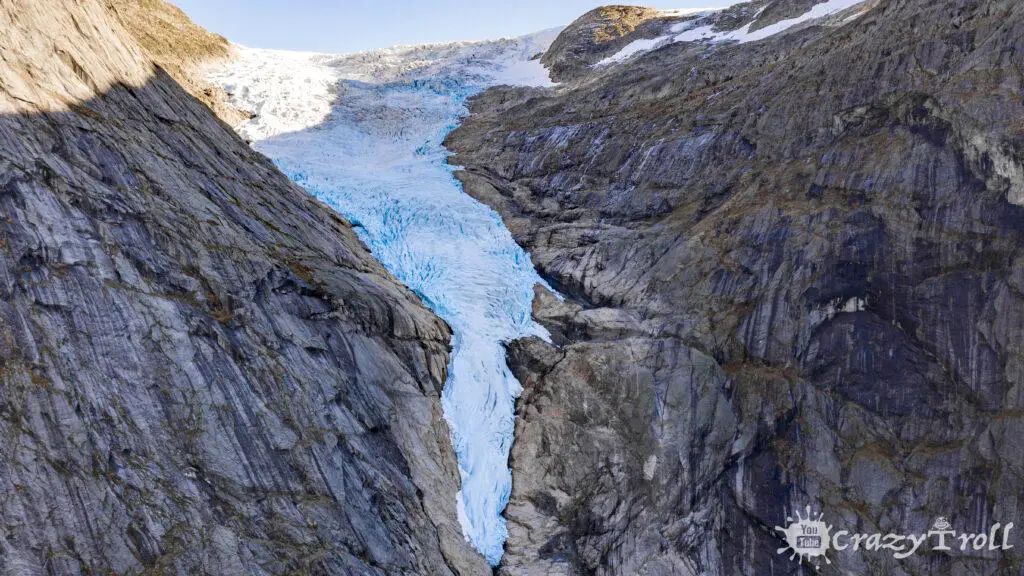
363	132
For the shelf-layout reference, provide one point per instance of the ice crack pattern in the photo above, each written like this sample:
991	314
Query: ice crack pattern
363	133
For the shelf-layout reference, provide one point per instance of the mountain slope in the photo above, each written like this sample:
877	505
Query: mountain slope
176	44
203	370
794	277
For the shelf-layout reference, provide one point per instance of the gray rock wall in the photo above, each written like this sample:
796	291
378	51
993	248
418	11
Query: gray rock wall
202	370
793	272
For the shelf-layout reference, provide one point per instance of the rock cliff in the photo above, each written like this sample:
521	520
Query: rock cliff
202	370
793	274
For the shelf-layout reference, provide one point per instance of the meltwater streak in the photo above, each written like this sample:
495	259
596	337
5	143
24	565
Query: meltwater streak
363	133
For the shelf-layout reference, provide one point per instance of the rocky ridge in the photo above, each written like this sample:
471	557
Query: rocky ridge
793	276
593	39
600	33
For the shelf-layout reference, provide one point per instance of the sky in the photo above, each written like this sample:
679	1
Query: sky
353	25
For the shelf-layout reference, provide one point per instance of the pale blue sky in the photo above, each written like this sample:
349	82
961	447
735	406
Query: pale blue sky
350	25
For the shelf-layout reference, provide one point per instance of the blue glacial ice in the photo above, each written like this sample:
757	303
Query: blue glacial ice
363	133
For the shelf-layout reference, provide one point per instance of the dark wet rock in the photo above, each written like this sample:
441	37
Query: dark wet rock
202	370
792	272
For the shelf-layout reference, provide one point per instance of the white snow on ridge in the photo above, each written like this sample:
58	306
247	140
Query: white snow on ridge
744	35
697	31
647	44
363	133
678	12
633	48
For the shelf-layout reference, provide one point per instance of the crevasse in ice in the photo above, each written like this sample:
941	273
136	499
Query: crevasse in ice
363	133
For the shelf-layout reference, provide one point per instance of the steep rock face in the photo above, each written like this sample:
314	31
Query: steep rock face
201	368
793	274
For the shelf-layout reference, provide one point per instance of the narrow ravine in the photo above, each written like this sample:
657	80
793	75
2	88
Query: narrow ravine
363	133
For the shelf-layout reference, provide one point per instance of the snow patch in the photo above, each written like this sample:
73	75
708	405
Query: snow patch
633	48
680	12
702	30
822	10
363	132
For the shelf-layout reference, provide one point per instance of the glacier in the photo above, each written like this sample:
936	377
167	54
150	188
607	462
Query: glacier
363	133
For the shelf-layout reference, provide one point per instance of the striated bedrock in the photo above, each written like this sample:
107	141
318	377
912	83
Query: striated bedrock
793	273
202	370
